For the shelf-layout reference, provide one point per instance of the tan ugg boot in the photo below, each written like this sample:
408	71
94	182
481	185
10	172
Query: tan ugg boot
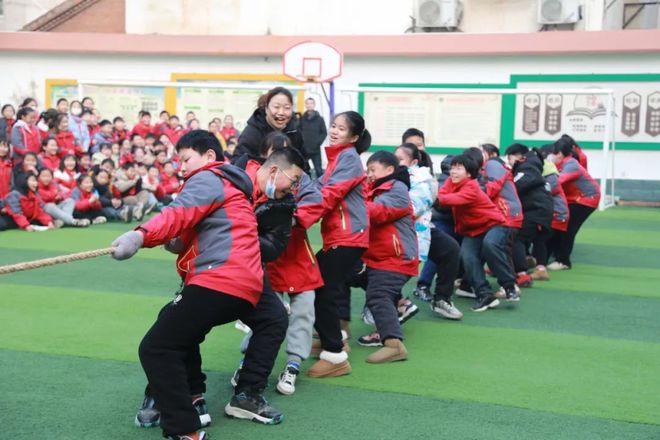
541	274
317	349
393	350
330	365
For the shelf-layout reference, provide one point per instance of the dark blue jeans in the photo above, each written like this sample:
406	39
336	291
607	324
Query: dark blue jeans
493	248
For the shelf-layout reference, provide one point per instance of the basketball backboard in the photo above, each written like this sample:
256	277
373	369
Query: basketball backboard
312	62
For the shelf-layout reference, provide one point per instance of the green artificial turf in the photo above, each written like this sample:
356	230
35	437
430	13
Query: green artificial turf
579	357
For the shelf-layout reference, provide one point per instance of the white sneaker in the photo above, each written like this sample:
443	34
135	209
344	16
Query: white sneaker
446	309
556	265
501	293
287	382
464	293
367	317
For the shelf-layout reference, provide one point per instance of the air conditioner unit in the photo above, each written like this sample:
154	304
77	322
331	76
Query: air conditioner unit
558	11
436	13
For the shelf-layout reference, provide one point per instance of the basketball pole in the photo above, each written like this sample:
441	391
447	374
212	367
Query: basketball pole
331	104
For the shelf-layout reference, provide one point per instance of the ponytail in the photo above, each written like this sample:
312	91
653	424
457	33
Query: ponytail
356	127
364	142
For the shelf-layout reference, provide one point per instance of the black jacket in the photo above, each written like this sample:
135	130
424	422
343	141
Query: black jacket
441	214
257	129
314	131
105	195
533	191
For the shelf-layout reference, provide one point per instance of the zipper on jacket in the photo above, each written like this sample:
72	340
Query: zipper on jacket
310	252
343	218
397	246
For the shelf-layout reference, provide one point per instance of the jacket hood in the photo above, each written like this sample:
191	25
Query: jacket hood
400	173
237	177
549	168
445	165
531	160
21	123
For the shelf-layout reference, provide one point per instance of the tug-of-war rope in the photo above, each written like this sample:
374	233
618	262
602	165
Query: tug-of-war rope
28	265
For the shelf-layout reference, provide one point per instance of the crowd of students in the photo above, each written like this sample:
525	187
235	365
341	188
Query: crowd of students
239	230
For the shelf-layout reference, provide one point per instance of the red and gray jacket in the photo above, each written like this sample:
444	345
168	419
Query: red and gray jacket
392	237
474	213
502	191
24	208
25	138
578	185
297	270
6	170
83	204
214	219
68	144
345	220
52	162
560	212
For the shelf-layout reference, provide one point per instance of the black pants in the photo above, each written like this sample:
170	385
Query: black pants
6	222
89	215
565	240
170	357
445	253
383	291
268	322
529	233
336	265
316	161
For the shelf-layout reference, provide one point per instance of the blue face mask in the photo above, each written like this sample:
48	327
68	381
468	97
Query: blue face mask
270	187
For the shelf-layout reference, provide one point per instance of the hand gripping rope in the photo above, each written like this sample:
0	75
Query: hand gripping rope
11	268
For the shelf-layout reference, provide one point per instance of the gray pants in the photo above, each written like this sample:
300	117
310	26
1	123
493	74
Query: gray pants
301	325
62	211
383	291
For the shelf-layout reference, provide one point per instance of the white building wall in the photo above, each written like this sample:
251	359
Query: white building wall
18	13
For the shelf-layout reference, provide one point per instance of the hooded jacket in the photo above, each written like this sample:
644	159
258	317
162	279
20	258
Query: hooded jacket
6	171
473	211
533	191
561	213
345	221
502	191
214	219
25	138
392	238
423	193
577	183
25	206
78	127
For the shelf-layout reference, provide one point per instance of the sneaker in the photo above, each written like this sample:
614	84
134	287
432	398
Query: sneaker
287	382
253	407
423	292
370	340
556	265
81	222
99	220
147	416
485	303
201	435
200	406
406	310
501	292
237	374
524	280
393	350
464	291
367	317
242	327
58	223
513	294
138	212
540	274
446	309
531	262
126	213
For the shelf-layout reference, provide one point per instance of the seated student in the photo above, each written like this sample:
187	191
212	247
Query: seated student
6	169
481	224
49	155
30	164
560	213
583	196
149	183
392	257
174	129
56	205
78	126
119	132
104	136
91	119
127	186
66	140
149	141
536	200
434	244
105	152
24	207
66	176
163	119
170	182
113	207
87	201
85	164
143	127
25	136
136	141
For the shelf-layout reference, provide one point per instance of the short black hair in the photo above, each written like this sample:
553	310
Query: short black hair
86	111
144	113
490	149
105	145
411	149
412	132
517	149
104	122
62	100
274	140
564	145
128	165
164	112
475	154
468	163
110	161
384	158
200	141
547	150
285	158
117	118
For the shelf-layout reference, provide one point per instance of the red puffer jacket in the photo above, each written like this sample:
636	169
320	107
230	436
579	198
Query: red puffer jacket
577	183
392	237
214	219
297	270
68	144
50	193
502	191
25	138
6	167
83	202
474	213
49	161
26	208
345	219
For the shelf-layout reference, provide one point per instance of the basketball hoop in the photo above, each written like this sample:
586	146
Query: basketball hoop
312	62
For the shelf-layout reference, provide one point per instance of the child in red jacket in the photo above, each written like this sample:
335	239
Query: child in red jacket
392	257
481	224
345	232
66	176
6	169
49	157
55	203
24	207
88	204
